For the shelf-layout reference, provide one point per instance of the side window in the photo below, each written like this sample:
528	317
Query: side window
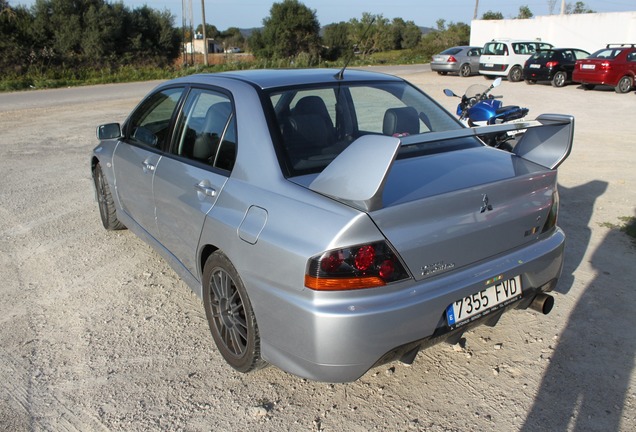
207	130
631	56
149	124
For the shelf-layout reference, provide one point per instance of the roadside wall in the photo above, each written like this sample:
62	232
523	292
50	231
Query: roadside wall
587	31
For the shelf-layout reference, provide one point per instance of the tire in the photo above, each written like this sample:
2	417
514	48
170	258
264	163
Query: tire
624	85
559	79
105	201
464	70
442	73
230	315
515	74
588	86
531	82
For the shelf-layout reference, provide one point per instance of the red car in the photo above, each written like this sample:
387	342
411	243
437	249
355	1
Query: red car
614	65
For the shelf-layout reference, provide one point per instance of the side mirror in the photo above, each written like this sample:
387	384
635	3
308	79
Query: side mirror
448	92
108	131
496	82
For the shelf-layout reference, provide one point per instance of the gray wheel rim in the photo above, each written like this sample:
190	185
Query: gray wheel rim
624	85
465	70
228	312
559	79
515	75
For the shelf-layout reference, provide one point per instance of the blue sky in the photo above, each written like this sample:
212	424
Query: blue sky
250	13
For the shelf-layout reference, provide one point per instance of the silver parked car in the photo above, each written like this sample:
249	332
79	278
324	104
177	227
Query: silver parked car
462	60
332	221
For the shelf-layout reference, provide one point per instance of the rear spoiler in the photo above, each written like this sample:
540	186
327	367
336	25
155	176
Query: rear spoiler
359	173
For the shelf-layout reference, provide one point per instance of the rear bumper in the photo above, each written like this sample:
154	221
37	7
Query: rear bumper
445	67
493	69
595	78
542	74
337	337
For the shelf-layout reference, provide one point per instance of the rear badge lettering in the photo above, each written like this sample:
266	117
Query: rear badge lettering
436	268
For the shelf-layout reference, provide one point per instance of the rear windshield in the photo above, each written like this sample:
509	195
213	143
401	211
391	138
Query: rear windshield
607	54
543	55
315	124
451	51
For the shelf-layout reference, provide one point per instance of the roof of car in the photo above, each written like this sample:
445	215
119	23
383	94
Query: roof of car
270	78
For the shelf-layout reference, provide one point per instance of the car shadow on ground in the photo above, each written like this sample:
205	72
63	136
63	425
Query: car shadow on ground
585	386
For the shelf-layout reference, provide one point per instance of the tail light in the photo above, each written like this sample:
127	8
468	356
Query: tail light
605	65
552	64
362	266
451	59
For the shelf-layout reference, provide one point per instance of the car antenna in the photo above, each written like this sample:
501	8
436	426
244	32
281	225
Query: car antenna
340	75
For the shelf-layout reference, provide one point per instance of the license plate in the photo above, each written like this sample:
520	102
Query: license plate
489	65
588	66
501	293
535	66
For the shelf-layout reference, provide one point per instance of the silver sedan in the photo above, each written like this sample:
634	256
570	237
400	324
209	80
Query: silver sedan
462	60
332	221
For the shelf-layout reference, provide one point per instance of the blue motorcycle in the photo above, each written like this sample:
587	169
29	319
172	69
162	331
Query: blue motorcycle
480	108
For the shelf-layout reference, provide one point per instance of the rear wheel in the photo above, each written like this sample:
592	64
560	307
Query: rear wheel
624	85
559	79
105	201
515	74
230	315
464	70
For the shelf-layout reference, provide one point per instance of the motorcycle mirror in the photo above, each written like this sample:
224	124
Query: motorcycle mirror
496	82
448	92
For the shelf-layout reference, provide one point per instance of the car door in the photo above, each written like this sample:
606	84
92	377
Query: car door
192	174
146	135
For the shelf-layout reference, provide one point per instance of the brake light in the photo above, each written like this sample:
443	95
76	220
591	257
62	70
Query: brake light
363	266
552	64
452	59
605	65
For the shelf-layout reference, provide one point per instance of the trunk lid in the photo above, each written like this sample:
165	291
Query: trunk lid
449	210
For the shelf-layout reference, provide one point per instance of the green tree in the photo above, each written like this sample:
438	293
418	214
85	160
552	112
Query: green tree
291	29
444	37
336	40
232	37
406	34
372	33
525	12
490	15
578	8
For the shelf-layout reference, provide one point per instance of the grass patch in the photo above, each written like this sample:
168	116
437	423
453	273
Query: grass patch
627	225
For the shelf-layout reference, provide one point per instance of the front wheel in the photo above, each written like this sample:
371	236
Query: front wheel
464	70
230	315
105	201
515	74
559	79
624	85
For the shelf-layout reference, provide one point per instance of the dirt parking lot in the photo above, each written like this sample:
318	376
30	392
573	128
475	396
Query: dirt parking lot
97	333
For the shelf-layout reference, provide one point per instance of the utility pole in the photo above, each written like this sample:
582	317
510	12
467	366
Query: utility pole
476	9
205	37
562	7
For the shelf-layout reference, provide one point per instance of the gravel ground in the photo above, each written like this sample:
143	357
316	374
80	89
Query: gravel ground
97	333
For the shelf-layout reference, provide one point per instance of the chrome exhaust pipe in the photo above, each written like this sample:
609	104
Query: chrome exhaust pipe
542	303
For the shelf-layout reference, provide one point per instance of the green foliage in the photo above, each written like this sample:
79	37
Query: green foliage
490	15
445	37
291	29
525	12
578	8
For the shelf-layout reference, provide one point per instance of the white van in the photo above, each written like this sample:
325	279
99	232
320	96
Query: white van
505	57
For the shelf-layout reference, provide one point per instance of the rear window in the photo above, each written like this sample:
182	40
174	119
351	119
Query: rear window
543	55
451	51
495	48
316	124
608	54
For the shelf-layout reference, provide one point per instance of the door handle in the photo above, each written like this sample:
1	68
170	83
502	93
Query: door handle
148	167
206	190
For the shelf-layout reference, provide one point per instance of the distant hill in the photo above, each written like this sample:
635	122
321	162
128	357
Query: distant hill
247	32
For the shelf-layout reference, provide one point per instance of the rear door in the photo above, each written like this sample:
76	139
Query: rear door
191	176
138	155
